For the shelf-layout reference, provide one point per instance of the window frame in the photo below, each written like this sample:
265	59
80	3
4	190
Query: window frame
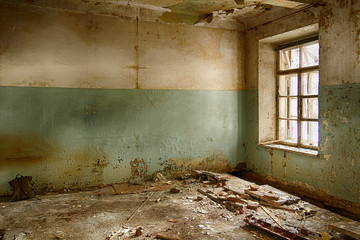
300	97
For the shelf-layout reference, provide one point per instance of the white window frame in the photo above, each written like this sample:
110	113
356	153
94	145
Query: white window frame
267	80
300	97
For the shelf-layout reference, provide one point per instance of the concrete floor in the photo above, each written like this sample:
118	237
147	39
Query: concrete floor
104	213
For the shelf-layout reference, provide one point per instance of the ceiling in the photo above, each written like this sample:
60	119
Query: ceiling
195	11
227	14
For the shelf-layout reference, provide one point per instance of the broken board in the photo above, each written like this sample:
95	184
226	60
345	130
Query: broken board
351	229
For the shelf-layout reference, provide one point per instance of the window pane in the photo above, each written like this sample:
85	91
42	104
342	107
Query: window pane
310	83
310	133
283	86
288	131
289	59
283	107
293	85
293	132
283	126
288	85
293	108
310	108
310	55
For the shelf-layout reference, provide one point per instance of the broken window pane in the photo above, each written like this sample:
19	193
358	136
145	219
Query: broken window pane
310	83
310	108
310	133
310	55
289	58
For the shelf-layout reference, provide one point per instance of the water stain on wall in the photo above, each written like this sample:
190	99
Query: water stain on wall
23	149
84	166
216	163
139	168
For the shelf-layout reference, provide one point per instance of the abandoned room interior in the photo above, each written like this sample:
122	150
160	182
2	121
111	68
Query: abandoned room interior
179	119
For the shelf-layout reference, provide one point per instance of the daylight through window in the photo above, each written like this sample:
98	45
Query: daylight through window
297	91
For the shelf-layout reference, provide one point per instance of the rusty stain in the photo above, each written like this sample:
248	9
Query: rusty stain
23	149
139	168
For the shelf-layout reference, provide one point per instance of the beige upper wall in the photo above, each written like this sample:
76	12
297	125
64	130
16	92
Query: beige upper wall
275	27
339	33
340	43
48	47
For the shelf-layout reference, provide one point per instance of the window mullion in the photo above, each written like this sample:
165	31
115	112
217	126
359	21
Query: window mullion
299	99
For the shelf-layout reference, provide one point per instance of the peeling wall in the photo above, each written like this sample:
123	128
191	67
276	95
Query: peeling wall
46	47
67	137
336	171
87	99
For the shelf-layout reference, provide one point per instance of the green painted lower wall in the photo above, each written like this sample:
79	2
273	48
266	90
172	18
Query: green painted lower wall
77	137
336	170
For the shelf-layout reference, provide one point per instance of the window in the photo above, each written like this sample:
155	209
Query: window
297	93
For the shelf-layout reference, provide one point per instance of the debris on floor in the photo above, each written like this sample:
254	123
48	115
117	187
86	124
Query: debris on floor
203	205
350	229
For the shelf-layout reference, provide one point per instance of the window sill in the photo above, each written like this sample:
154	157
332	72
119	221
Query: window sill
305	151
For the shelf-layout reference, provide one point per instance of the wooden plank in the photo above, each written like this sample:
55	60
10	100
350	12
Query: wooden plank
349	229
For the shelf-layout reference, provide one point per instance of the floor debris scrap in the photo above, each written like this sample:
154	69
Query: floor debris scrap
204	205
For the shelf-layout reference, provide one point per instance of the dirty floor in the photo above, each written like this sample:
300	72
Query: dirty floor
155	210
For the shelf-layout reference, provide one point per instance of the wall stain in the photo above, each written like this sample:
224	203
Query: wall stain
139	169
272	160
216	163
22	150
284	164
326	16
81	163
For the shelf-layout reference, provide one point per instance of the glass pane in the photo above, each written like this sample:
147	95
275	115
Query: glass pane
310	108
283	129
293	131
293	85
283	107
288	131
289	58
310	133
283	86
288	85
310	55
310	83
293	108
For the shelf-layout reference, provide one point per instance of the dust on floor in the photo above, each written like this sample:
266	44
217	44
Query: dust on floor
193	208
